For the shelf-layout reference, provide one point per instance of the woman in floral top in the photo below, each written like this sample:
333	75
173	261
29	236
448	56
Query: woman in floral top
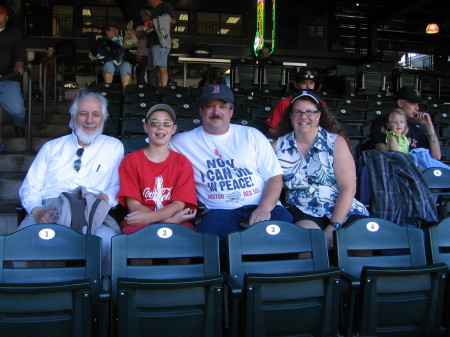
319	169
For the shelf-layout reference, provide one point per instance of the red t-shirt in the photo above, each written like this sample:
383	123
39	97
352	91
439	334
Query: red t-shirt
276	114
156	185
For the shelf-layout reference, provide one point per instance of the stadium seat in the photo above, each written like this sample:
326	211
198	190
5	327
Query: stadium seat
245	74
177	98
134	141
438	246
166	282
261	126
186	110
49	282
281	282
173	89
348	114
260	113
438	181
399	295
188	124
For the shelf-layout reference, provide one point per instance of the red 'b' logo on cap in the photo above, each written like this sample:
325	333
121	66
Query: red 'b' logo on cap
216	89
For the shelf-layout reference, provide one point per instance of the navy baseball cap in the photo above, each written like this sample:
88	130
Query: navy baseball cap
216	91
410	94
309	94
307	74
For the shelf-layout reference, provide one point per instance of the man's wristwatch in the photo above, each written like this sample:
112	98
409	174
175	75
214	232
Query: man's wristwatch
335	224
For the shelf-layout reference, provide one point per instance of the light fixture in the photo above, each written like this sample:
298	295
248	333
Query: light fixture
223	31
432	28
183	17
86	12
233	20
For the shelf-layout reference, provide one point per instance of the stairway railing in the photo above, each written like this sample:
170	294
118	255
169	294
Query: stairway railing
44	81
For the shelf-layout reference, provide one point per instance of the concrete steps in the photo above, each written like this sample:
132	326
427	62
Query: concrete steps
8	216
15	160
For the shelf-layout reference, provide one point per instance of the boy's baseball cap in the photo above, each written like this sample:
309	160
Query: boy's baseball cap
410	95
163	107
3	10
216	91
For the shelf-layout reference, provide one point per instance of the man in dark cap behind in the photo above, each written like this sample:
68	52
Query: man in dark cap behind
421	132
306	79
13	58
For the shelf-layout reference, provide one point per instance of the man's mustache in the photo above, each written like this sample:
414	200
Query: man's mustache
215	117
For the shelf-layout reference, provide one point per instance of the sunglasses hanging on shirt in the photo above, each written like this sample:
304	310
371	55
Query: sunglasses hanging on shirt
77	162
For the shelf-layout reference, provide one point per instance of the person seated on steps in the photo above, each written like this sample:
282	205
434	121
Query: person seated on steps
110	53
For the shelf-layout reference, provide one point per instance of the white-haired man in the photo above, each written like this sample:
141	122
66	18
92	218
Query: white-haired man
84	160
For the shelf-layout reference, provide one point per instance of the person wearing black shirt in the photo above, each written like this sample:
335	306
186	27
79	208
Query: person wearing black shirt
421	132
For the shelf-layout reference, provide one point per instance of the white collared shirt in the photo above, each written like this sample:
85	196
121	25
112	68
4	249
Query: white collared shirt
52	171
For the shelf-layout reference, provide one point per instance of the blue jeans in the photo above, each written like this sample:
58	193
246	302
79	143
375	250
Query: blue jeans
12	101
225	221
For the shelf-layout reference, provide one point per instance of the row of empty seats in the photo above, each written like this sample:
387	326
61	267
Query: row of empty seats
382	280
355	111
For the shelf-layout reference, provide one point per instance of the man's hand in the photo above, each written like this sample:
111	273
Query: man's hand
102	196
259	214
19	67
423	118
42	215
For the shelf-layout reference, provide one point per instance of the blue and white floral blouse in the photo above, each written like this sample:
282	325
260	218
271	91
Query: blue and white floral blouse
310	181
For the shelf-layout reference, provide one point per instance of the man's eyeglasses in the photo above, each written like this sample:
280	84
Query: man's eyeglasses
308	113
157	124
77	163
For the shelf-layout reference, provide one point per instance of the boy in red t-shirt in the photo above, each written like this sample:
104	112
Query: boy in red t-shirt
157	184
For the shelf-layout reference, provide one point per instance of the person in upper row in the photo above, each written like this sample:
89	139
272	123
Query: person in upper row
111	54
237	176
156	183
159	40
306	79
319	169
421	132
13	58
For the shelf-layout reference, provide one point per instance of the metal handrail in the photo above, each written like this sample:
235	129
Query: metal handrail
44	80
30	85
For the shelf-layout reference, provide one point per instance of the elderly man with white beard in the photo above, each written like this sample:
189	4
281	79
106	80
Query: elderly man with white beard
84	163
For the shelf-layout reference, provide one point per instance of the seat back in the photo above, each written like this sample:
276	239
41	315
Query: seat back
402	301
439	242
378	242
287	285
275	247
438	181
49	282
166	282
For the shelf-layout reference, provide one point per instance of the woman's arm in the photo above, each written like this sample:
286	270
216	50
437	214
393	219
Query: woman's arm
345	174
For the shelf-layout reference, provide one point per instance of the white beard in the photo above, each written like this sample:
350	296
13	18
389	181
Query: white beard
84	137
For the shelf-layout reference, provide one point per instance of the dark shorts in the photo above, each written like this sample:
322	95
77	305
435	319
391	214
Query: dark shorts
322	222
